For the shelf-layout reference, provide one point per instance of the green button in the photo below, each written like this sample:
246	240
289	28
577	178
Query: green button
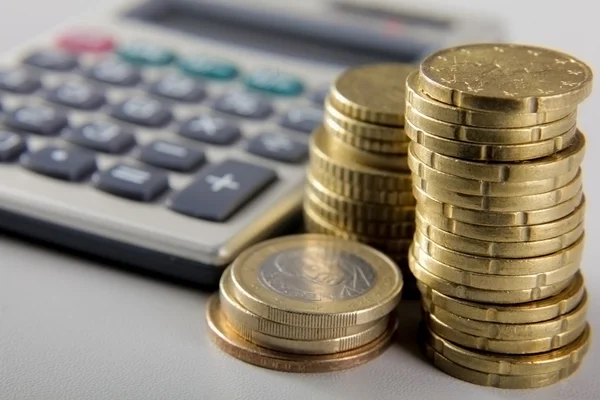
274	81
146	53
208	67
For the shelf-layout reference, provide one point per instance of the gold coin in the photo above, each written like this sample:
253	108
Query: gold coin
389	245
502	364
508	233
240	318
530	202
529	346
489	152
501	266
460	276
505	77
543	168
365	130
342	151
480	295
371	145
316	281
322	159
496	218
486	188
485	119
372	93
491	330
501	136
376	229
230	342
499	249
343	203
498	380
536	311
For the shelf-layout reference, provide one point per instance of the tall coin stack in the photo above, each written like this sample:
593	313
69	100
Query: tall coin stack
495	157
359	185
306	303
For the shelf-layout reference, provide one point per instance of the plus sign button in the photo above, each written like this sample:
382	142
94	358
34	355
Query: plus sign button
220	191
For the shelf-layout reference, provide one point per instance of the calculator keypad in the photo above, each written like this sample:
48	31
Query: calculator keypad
68	164
143	111
210	129
53	59
18	81
178	87
302	119
106	137
133	182
75	94
145	53
41	120
11	146
171	156
115	72
208	67
278	146
244	104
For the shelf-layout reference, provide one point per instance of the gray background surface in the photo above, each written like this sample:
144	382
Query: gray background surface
71	328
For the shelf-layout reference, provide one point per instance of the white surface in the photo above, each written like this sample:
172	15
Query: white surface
74	329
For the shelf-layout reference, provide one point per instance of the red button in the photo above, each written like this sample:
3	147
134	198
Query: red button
86	42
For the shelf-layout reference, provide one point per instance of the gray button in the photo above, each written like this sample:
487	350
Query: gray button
11	146
106	137
243	104
133	183
77	95
54	59
302	119
210	129
18	81
142	111
171	156
178	87
278	146
222	190
318	96
41	120
61	163
115	72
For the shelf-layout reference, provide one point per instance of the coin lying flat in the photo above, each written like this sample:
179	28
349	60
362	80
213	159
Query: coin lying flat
536	311
505	77
486	119
543	168
503	136
230	342
502	364
316	281
372	93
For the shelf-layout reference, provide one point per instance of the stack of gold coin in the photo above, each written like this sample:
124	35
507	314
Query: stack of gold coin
358	184
306	303
495	155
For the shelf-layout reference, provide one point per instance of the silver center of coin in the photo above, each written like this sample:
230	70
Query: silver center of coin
317	274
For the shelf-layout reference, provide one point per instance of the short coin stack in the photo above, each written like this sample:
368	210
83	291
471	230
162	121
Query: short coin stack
495	157
306	303
359	184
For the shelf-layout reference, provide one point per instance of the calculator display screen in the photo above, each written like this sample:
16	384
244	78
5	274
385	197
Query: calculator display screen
328	40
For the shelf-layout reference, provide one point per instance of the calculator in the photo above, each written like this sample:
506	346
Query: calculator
169	135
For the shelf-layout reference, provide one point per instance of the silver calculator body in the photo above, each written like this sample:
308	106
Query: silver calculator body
283	55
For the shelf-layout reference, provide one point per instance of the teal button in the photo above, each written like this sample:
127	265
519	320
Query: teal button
207	67
146	53
274	81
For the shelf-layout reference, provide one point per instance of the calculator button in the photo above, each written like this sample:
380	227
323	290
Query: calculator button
145	53
142	111
18	81
278	147
133	183
86	42
210	129
66	164
244	104
171	156
41	120
115	72
318	97
178	87
102	136
11	146
207	67
273	81
222	190
302	119
57	60
77	95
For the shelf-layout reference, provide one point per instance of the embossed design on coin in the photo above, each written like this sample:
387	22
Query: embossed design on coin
317	274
